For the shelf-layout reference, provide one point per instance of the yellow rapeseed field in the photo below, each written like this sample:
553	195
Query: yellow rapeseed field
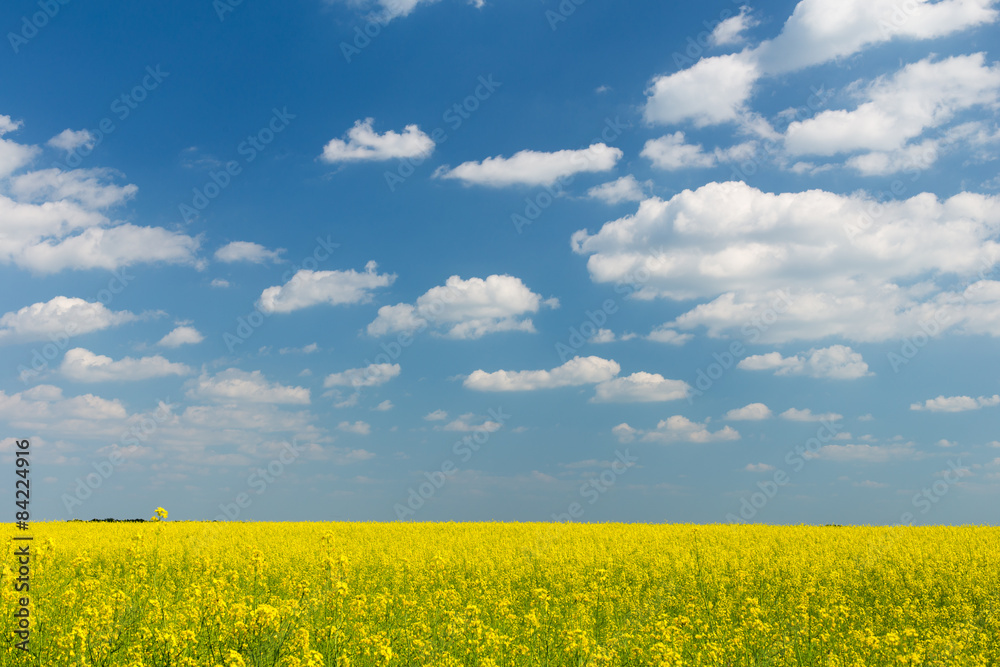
496	594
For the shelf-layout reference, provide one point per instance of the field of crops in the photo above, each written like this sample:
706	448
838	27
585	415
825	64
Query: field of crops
297	594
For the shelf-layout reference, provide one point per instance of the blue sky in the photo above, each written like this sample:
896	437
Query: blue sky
500	260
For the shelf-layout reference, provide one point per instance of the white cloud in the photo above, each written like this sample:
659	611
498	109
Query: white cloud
758	467
220	283
820	30
305	349
534	167
796	415
358	427
465	424
69	140
624	433
869	484
626	188
751	412
83	365
234	385
669	336
246	251
60	316
384	406
577	371
465	309
813	260
372	375
956	403
364	144
308	288
56	219
388	10
731	30
921	95
682	429
670	152
602	336
866	453
837	362
944	442
713	90
640	387
183	335
437	415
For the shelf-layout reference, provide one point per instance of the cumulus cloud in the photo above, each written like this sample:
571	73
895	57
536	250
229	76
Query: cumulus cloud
364	144
236	386
57	219
897	109
758	467
467	423
751	412
308	288
575	372
384	406
372	375
534	167
247	251
640	387
437	415
837	361
669	336
867	453
465	309
713	90
670	152
69	140
716	89
956	403
82	365
357	428
626	188
806	415
811	259
681	429
731	30
183	335
624	433
60	316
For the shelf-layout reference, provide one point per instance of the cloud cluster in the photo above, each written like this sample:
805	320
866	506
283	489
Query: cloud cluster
837	361
677	429
841	265
465	309
59	316
956	403
638	387
364	144
309	288
237	386
82	365
534	167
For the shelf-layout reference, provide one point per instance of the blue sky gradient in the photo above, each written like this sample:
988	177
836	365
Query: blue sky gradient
503	260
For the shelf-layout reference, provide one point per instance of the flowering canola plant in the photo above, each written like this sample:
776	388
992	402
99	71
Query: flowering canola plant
184	594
